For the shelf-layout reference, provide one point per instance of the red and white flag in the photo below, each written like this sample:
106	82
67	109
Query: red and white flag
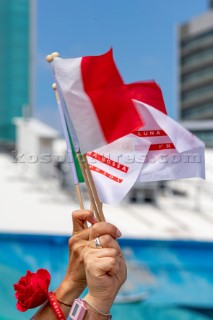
99	102
161	150
127	126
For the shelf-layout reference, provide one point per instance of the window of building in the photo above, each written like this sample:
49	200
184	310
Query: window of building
206	136
196	41
200	111
197	93
197	57
199	75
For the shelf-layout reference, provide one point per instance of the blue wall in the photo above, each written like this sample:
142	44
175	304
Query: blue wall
174	277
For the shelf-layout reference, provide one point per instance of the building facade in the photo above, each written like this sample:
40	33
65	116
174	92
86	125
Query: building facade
196	73
15	63
196	68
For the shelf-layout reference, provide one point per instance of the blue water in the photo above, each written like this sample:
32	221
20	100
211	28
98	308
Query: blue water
174	278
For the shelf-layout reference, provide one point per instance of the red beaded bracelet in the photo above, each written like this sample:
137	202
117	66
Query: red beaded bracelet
55	306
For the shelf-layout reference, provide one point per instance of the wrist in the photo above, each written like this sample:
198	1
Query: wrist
69	291
82	309
103	304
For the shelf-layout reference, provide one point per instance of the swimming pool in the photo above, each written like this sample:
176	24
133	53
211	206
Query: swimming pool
166	279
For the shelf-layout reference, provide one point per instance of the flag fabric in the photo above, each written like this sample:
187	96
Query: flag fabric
75	160
124	128
147	92
77	174
174	152
163	150
114	168
99	102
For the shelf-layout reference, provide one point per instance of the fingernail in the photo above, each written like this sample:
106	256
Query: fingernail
118	233
93	220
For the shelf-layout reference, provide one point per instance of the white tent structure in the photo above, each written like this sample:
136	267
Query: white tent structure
32	204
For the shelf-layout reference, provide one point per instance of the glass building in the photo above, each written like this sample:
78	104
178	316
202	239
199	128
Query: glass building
15	63
196	71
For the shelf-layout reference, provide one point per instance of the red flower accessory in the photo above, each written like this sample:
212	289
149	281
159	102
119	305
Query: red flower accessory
32	289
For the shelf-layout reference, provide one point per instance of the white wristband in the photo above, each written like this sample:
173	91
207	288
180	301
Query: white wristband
99	311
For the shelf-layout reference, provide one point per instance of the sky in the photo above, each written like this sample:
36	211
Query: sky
142	33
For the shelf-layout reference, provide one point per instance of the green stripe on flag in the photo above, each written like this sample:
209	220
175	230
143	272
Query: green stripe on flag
77	166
